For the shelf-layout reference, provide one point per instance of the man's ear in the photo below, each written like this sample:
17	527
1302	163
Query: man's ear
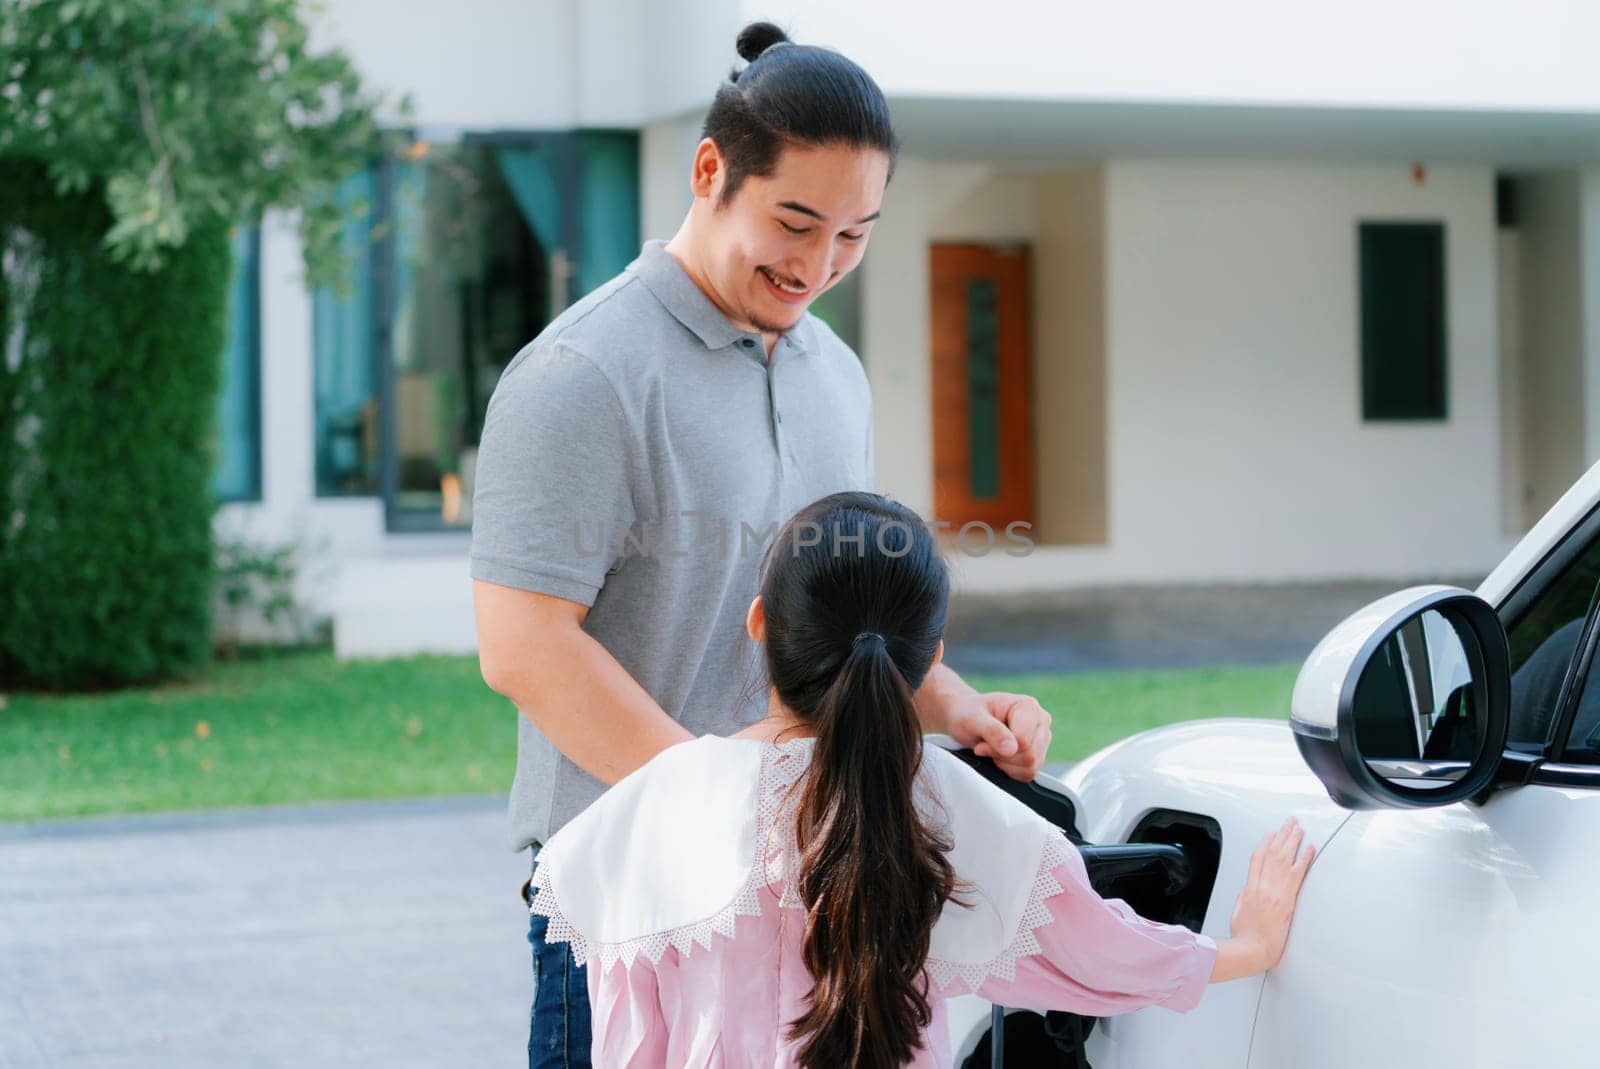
707	173
938	655
755	620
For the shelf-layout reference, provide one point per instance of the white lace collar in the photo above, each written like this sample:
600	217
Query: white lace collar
676	852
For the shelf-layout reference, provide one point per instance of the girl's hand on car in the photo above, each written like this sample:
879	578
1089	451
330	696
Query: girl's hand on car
1264	909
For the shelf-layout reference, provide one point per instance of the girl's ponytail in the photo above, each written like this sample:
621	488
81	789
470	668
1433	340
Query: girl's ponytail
873	876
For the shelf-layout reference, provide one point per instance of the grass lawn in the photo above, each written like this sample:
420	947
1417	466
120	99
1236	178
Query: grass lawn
301	726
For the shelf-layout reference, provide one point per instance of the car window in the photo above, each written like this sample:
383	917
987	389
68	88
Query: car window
1583	741
1543	643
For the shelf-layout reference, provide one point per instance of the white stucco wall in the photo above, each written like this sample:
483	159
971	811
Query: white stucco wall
492	63
560	63
894	331
1422	54
1237	447
666	154
1069	359
1551	390
330	531
1589	290
1233	444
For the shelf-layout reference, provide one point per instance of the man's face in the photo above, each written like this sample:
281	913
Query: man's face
782	241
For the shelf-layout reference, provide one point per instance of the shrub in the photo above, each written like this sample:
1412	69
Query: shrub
106	406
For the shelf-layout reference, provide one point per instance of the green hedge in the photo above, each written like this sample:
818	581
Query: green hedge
108	387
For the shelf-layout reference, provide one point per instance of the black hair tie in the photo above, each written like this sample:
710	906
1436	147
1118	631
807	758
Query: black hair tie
869	634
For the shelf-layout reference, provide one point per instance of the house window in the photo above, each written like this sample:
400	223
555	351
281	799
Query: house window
492	238
344	356
463	252
237	474
1403	352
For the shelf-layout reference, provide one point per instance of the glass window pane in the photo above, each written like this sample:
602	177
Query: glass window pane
344	343
1543	644
471	288
608	205
1583	740
983	388
238	466
1402	321
478	268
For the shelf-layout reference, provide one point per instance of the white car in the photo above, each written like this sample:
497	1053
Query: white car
1443	753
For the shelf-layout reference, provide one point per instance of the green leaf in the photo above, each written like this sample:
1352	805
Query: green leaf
245	113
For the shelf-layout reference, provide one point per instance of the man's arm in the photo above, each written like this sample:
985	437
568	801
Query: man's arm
533	649
558	457
1013	729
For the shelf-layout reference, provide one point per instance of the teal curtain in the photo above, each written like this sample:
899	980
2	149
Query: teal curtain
344	344
409	189
238	466
531	171
608	205
607	199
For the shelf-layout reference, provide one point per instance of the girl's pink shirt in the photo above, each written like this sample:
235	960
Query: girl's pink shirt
727	1007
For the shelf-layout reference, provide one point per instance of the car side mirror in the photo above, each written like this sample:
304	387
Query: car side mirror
1406	703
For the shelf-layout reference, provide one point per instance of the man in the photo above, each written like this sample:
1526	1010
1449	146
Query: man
639	454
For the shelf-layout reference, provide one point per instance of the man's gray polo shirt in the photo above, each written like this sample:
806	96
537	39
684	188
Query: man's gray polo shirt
637	457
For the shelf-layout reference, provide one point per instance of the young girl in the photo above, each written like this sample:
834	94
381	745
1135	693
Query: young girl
810	891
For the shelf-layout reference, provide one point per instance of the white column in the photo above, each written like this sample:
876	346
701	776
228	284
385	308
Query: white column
894	339
666	154
288	478
1588	285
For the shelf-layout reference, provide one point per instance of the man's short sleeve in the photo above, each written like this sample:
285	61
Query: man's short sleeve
553	497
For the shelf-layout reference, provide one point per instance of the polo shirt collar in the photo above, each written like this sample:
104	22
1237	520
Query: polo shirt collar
688	304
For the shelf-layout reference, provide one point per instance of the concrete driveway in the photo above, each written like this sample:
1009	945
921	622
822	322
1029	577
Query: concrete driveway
368	934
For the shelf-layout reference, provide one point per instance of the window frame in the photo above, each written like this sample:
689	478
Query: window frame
397	520
1543	766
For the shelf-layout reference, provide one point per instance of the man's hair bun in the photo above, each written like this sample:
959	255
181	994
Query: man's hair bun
756	38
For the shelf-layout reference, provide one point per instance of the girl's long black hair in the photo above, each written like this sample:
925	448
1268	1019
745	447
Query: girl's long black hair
855	594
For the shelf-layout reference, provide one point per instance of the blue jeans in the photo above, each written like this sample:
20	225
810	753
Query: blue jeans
558	1026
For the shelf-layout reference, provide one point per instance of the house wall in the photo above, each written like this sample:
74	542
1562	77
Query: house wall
1430	54
563	63
1508	313
1237	445
1069	312
894	332
1550	291
1226	335
1197	372
666	154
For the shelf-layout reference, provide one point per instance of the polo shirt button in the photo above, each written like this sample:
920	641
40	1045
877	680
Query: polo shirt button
748	343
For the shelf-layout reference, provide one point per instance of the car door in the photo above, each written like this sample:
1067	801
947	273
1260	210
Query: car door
1467	935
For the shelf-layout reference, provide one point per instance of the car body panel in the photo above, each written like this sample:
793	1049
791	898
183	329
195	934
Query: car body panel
1455	936
1248	776
1459	936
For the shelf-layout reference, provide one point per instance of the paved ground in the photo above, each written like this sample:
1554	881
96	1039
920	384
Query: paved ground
1173	627
390	934
373	934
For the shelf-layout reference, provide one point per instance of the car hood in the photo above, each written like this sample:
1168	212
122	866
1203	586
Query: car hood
1245	774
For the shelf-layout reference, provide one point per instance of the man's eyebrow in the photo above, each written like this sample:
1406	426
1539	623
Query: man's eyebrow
796	206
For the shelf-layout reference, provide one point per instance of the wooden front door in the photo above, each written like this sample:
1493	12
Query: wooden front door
982	418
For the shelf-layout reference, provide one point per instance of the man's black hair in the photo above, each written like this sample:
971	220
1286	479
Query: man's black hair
792	94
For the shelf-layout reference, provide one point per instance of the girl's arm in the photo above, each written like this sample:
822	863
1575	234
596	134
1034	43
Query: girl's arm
1098	957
